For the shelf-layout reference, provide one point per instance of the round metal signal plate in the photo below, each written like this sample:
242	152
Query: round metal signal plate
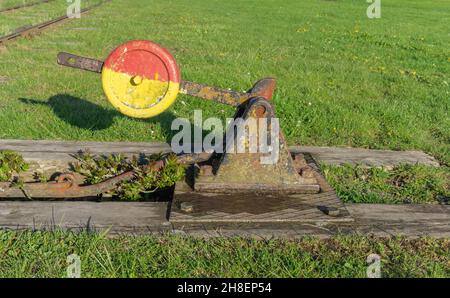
141	79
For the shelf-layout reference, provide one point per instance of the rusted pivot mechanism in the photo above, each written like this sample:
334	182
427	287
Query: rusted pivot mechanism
256	170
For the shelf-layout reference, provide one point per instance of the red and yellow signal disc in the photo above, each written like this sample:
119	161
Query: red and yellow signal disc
141	79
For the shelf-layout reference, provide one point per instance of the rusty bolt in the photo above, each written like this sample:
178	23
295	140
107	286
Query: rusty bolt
331	211
299	157
260	111
307	172
66	177
299	161
186	207
136	80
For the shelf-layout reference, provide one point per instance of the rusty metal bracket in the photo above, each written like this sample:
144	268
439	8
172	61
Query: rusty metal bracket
232	171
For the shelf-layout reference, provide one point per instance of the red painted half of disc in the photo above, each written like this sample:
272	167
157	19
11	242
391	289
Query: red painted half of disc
146	59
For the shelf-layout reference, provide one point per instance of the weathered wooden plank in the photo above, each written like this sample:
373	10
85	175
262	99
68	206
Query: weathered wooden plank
148	217
71	147
367	157
402	213
41	151
82	215
377	219
209	208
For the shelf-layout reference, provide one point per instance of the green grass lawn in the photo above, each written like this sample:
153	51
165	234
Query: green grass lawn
5	4
43	254
403	184
343	79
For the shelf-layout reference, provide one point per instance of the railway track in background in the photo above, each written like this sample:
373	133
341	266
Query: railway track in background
24	5
33	29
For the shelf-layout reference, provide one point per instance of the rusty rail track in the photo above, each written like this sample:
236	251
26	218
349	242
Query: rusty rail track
30	30
24	5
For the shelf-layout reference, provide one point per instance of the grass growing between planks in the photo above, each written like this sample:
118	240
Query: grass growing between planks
147	180
11	163
402	184
149	175
43	254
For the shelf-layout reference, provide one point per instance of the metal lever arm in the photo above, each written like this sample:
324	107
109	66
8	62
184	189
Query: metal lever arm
263	88
83	63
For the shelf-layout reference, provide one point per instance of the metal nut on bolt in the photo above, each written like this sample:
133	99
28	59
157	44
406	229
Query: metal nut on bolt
331	211
299	161
307	172
186	207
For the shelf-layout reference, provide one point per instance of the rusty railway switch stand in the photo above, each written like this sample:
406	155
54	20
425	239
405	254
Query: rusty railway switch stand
245	172
255	178
142	79
233	188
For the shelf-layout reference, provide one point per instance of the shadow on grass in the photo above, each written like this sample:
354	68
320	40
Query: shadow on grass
84	114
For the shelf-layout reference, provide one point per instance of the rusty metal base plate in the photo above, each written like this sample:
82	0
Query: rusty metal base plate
196	207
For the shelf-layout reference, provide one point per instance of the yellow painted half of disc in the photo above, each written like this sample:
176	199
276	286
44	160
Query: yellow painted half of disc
137	96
